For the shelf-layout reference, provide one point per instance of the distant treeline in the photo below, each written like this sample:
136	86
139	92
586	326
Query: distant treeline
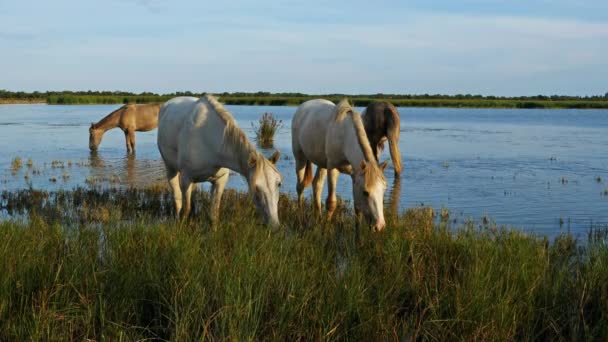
294	99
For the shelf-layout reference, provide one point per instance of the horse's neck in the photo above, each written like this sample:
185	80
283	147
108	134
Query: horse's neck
235	155
110	121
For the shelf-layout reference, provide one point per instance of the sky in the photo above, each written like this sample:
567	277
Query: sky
488	47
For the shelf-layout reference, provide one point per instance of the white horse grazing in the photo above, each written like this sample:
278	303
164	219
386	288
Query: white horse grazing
199	141
333	138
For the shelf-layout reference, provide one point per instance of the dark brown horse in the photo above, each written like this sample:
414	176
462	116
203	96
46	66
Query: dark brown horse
129	118
381	121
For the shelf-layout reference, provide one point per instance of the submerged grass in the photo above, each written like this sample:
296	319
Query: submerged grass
111	264
265	129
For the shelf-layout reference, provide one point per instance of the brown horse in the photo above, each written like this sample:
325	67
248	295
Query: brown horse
129	118
381	121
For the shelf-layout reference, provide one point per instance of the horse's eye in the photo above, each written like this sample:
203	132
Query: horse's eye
280	184
366	193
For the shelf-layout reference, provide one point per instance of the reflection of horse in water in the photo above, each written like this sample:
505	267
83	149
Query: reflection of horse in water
395	197
95	161
381	121
129	118
130	166
125	171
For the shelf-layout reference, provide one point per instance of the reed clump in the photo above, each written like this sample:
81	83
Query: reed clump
266	129
113	264
16	164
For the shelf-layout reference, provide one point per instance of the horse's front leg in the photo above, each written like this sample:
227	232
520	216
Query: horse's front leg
217	189
130	140
127	141
331	203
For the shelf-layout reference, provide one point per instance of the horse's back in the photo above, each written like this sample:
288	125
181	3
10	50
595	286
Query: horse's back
379	115
145	116
174	117
309	128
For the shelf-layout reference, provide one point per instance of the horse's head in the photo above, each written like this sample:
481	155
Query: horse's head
264	182
94	137
369	186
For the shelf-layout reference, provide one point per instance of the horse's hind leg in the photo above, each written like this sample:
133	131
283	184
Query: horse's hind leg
217	189
317	187
186	186
332	202
173	177
301	181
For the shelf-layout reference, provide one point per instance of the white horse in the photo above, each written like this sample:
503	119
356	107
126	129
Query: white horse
199	141
333	138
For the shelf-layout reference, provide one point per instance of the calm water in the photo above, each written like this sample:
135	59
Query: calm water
527	168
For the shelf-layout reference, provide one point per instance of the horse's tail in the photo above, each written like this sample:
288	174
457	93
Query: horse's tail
393	128
308	174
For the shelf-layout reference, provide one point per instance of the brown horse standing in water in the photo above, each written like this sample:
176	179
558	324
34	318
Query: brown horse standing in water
129	118
381	121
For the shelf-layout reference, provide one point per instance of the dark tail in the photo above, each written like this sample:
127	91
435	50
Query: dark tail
393	130
308	174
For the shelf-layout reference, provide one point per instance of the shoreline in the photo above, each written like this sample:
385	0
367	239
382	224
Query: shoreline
410	103
19	101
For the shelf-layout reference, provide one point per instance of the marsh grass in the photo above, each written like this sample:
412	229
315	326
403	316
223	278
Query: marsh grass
265	129
16	164
113	264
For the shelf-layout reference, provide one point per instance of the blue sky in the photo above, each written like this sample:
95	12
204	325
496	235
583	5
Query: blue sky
490	47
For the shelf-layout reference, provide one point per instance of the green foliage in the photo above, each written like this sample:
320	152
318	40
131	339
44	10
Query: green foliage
295	99
110	265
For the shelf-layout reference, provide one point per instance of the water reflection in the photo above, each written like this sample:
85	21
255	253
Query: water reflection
130	165
128	170
394	194
95	161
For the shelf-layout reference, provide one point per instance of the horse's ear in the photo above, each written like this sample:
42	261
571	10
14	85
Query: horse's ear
275	157
363	165
384	165
253	159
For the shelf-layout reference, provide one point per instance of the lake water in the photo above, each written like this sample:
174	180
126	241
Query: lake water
544	171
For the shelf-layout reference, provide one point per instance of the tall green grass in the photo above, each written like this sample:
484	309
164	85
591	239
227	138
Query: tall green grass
110	264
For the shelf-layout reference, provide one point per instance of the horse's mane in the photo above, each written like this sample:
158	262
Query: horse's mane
107	117
344	110
232	131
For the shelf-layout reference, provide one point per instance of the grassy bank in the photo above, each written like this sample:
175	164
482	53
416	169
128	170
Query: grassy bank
356	100
22	101
112	265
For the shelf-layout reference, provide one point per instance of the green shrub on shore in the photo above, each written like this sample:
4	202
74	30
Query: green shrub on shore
114	265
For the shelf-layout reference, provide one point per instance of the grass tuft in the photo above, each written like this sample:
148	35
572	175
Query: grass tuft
265	130
16	164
